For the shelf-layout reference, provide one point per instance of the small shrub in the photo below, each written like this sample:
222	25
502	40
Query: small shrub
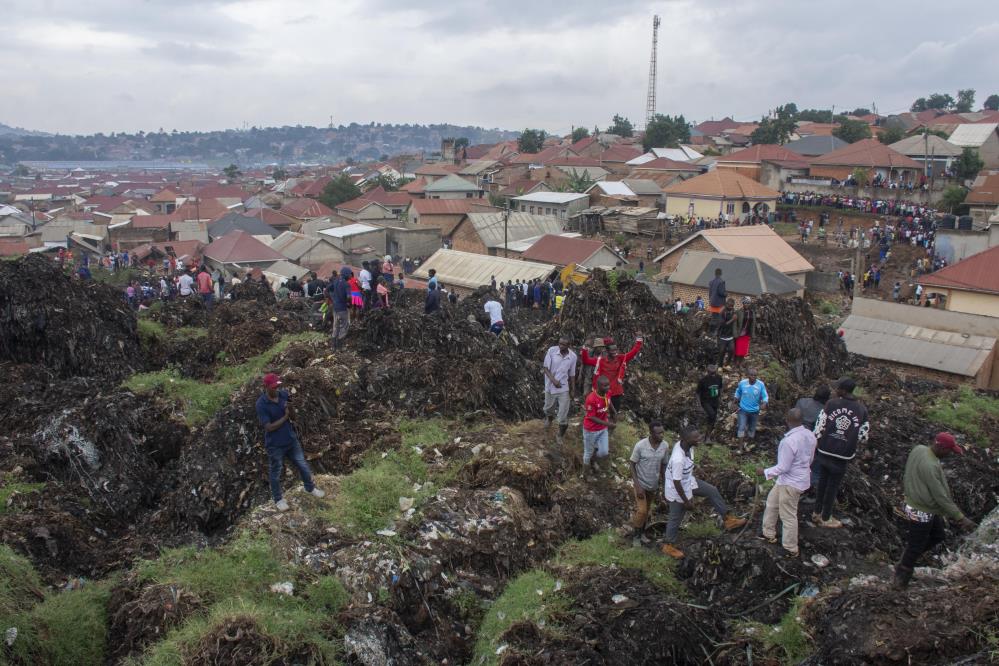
604	550
828	308
962	410
11	487
702	528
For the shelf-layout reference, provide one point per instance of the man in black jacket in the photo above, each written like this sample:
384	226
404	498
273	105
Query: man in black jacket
716	299
842	425
709	391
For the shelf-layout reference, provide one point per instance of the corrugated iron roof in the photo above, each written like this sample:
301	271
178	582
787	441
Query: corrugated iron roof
743	275
953	353
562	251
469	270
869	153
240	247
758	240
490	226
294	245
972	135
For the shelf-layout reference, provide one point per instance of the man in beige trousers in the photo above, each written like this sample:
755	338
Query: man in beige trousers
793	474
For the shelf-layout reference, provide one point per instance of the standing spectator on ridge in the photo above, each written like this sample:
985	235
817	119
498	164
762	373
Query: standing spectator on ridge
726	333
388	269
559	369
793	474
717	297
648	464
364	278
753	398
927	501
680	487
613	366
433	302
280	440
841	427
745	329
339	298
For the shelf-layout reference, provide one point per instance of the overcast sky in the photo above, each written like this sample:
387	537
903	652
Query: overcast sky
112	65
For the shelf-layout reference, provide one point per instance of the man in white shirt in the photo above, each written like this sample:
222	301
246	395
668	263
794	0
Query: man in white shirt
680	487
495	311
560	369
793	473
186	283
364	277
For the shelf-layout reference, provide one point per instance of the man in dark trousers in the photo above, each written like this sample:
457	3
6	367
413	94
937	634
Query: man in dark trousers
927	501
709	391
716	299
339	293
726	329
275	414
841	427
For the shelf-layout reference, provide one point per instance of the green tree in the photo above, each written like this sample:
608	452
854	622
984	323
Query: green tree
579	134
531	140
918	105
852	131
965	100
621	126
891	135
791	108
279	174
861	111
21	171
968	164
815	116
461	142
992	102
338	190
666	131
579	181
775	128
232	172
861	175
939	101
952	199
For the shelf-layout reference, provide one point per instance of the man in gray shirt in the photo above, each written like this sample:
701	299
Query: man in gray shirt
647	468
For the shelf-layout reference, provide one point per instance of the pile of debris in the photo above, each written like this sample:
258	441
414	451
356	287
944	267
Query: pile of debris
70	326
807	350
258	291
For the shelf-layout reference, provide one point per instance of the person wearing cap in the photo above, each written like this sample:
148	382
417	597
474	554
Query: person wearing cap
275	414
841	427
927	502
559	368
613	366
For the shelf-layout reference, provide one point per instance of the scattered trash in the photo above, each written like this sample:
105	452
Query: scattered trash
619	598
405	503
386	533
10	635
285	588
821	561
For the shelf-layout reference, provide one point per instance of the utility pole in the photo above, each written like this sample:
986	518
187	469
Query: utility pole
926	150
650	100
506	220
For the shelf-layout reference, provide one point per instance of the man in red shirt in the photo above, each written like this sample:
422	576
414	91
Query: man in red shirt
598	421
612	366
205	287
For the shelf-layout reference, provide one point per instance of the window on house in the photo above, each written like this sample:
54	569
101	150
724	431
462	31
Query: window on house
548	211
468	195
730	208
532	210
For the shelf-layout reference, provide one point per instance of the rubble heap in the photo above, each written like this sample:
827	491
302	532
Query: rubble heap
70	326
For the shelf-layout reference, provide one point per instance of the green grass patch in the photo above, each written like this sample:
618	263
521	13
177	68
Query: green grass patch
701	529
11	487
520	601
963	410
423	433
61	628
150	332
120	278
786	229
604	550
191	333
201	400
721	456
235	581
788	637
368	499
828	307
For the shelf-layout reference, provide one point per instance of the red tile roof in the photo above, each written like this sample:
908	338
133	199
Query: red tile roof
976	273
478	151
201	209
304	209
240	247
379	195
715	127
722	184
166	195
103	204
666	164
583	143
450	206
562	251
355	205
543	157
619	153
987	192
414	186
763	151
271	217
221	192
869	153
519	187
311	188
574	162
434	170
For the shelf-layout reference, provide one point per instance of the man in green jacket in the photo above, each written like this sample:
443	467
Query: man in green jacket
927	500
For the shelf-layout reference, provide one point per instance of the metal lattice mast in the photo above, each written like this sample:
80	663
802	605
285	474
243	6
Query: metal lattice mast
650	102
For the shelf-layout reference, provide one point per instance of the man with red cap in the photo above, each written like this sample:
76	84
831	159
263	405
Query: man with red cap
275	414
927	500
612	366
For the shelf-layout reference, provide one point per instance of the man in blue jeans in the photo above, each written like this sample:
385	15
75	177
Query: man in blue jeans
752	396
280	440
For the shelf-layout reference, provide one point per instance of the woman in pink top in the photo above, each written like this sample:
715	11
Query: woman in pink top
383	293
388	269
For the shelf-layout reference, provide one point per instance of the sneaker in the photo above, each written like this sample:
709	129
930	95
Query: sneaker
282	505
732	523
832	523
790	554
672	551
317	492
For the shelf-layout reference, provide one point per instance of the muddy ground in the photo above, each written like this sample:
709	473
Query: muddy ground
494	499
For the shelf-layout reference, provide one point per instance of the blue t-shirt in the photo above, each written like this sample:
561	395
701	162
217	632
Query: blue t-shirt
751	396
269	411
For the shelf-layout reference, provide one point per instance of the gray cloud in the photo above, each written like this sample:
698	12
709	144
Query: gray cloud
519	63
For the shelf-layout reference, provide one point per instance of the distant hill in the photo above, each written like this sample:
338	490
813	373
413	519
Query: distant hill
284	145
7	130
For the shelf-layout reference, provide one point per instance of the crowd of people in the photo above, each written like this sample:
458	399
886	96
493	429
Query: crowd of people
895	207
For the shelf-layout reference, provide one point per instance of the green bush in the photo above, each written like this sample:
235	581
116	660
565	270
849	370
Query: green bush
963	410
604	550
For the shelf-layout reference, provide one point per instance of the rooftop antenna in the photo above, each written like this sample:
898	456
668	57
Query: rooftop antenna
650	102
